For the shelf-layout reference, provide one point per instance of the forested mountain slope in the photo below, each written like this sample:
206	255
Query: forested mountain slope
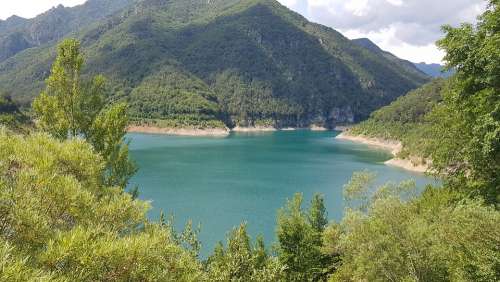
18	34
408	119
242	62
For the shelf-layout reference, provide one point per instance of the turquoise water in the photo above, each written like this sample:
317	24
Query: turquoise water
247	177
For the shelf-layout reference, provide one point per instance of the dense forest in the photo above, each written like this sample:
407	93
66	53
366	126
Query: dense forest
408	119
212	63
66	215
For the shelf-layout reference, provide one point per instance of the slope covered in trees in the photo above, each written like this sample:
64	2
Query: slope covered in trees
18	34
406	120
254	60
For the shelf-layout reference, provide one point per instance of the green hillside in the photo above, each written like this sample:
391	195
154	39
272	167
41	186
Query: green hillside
407	119
18	34
240	62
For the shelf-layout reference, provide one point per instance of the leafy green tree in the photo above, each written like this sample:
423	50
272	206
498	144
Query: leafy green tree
60	222
240	261
299	235
434	237
468	127
317	213
71	108
10	114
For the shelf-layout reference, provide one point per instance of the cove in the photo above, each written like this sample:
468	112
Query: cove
247	177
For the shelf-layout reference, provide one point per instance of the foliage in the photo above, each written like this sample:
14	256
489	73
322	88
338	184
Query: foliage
402	237
469	120
11	116
455	123
299	246
175	98
407	120
72	108
240	261
60	221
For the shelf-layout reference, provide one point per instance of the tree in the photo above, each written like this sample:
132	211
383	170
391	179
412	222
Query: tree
437	236
317	213
240	261
72	108
299	239
59	222
11	115
468	127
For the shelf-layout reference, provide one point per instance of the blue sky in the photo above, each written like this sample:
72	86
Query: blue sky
407	28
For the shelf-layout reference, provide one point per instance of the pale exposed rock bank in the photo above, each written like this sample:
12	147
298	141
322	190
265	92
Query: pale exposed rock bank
211	131
271	128
392	146
408	165
216	132
318	128
254	129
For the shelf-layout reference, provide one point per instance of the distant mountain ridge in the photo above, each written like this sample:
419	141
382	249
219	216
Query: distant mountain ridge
434	70
242	62
368	44
18	34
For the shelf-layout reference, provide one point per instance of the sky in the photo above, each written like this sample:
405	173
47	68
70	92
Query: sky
407	28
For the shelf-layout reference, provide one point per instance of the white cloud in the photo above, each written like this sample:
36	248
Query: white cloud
31	8
387	40
407	28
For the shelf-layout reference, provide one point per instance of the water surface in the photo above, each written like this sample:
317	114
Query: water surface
247	177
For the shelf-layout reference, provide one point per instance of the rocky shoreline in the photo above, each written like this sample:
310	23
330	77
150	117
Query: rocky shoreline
212	131
254	129
392	146
216	132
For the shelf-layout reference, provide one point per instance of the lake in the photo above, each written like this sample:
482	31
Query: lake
247	177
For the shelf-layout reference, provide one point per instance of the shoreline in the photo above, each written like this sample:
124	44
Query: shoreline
215	132
273	129
254	129
392	146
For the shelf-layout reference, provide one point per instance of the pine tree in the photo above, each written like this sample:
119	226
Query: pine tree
71	108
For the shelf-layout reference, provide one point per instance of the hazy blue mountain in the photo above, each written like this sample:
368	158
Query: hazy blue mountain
434	70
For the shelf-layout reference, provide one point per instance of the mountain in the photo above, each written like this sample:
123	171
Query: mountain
407	65
18	34
241	62
368	44
434	70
